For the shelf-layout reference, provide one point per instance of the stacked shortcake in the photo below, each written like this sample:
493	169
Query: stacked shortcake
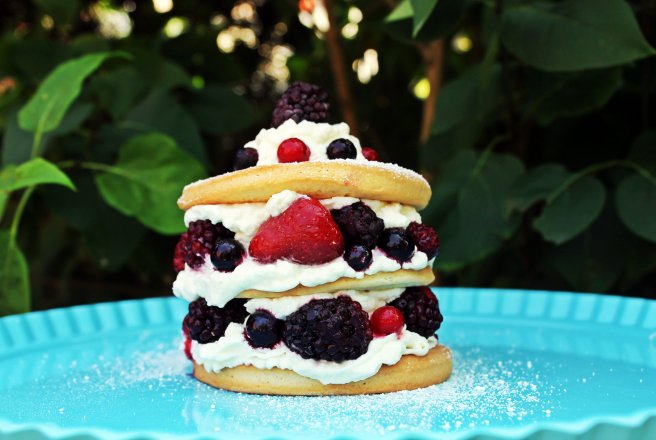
307	267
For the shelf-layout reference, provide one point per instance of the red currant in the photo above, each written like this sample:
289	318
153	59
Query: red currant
293	150
369	153
187	347
386	320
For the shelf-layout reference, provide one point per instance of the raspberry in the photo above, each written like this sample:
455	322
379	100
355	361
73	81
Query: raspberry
304	233
301	101
425	238
369	153
263	330
397	244
197	242
421	310
245	158
386	320
341	149
359	224
227	254
293	150
335	329
208	323
358	257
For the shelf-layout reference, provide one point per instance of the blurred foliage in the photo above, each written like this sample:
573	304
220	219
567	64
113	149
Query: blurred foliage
542	153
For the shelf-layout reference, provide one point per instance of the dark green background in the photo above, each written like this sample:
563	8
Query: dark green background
542	155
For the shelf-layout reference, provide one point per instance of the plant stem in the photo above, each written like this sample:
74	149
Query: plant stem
13	229
433	55
338	67
95	166
595	168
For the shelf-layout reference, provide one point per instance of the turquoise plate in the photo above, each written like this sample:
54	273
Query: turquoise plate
527	364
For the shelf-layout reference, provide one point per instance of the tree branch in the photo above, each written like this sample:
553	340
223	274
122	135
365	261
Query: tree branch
338	67
433	56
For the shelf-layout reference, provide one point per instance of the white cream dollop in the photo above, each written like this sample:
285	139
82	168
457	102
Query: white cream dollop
316	135
233	350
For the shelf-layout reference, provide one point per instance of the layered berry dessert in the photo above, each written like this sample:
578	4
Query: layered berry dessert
306	268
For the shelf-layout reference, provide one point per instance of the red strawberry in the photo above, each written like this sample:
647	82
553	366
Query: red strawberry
304	233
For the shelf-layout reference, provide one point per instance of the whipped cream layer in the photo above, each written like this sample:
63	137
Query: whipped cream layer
233	349
316	135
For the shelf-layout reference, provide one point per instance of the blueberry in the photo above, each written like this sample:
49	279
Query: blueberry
397	243
358	257
341	149
245	158
263	330
227	254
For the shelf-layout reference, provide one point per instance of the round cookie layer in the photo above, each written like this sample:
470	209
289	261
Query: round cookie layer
321	180
410	373
380	280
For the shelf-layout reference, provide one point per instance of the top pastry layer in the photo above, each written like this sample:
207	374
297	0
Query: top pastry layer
319	177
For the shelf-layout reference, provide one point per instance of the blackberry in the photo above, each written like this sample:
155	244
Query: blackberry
263	330
359	224
421	310
397	244
227	254
425	238
245	158
335	329
208	323
198	241
341	149
358	257
301	101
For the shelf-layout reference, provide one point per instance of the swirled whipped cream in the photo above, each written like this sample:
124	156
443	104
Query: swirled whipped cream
316	135
233	349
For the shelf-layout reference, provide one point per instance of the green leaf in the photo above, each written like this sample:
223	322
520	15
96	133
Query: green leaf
160	112
536	185
148	179
118	90
14	278
557	95
473	96
422	9
218	110
46	109
570	211
468	206
574	34
430	20
643	150
37	171
635	200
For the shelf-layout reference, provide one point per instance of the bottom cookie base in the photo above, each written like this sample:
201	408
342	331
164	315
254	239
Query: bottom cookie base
410	373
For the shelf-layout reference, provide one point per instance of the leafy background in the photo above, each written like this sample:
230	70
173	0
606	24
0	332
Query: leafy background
533	120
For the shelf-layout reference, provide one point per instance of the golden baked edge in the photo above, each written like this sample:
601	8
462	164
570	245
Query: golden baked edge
411	372
320	180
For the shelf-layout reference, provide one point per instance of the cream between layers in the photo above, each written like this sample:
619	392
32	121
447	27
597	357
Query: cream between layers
233	349
317	136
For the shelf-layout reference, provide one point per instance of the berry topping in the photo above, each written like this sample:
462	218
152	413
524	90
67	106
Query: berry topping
208	323
227	254
420	309
386	320
359	224
397	244
293	150
263	330
335	329
358	256
341	149
301	101
369	153
187	347
425	238
245	158
197	242
304	233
